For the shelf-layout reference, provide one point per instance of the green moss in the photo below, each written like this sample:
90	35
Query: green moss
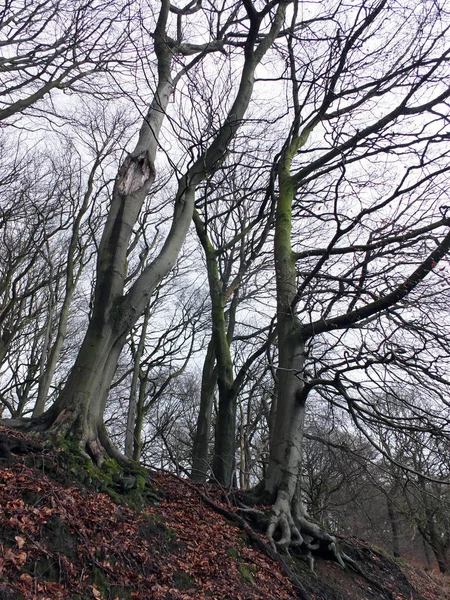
123	485
182	580
127	486
154	527
110	467
232	552
31	497
141	482
246	573
100	580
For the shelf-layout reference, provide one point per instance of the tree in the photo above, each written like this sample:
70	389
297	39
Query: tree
77	412
338	247
232	230
52	45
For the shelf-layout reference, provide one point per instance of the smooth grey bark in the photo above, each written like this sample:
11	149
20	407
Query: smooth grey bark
133	401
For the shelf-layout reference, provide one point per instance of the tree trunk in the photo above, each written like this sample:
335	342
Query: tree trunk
244	452
393	519
132	406
200	454
426	551
441	557
439	549
289	523
225	431
45	374
286	438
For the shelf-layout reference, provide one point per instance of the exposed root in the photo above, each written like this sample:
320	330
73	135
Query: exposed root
111	450
319	541
91	442
281	520
259	543
287	531
34	426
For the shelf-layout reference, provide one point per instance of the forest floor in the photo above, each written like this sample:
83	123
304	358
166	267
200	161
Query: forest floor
62	539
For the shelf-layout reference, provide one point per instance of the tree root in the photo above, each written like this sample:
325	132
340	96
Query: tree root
281	520
259	543
287	531
92	443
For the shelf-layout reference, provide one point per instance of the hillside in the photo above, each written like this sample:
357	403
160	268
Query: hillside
69	531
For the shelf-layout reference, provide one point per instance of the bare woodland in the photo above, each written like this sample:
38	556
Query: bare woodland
225	235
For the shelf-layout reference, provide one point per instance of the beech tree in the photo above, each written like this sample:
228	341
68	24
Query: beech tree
232	230
77	413
361	222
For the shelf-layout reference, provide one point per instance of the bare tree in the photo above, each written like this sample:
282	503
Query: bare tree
353	247
78	411
233	230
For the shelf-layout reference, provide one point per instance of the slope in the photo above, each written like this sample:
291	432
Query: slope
69	531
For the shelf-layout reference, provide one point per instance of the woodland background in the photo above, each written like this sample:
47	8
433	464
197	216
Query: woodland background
308	146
